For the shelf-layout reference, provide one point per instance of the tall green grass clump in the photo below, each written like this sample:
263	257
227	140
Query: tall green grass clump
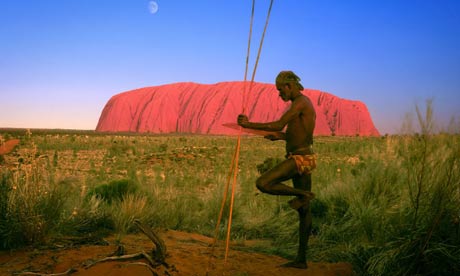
119	202
400	214
115	190
31	205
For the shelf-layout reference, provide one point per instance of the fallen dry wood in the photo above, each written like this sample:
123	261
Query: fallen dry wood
68	272
160	247
124	258
155	259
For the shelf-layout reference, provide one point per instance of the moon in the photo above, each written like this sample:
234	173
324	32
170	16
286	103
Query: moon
153	7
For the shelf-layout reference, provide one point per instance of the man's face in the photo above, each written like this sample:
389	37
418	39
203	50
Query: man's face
283	90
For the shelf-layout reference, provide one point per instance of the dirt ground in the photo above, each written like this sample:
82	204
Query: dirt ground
188	255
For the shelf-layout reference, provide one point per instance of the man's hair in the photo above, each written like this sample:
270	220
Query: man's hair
289	77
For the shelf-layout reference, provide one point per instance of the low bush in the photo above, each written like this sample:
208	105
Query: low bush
115	190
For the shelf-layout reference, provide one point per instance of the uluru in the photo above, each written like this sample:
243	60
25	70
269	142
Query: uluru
189	107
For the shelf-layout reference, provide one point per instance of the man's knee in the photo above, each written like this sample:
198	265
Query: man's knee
262	185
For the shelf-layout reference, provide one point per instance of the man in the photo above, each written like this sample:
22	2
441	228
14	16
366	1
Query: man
300	159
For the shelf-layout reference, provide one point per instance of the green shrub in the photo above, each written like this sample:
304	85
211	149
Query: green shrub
115	190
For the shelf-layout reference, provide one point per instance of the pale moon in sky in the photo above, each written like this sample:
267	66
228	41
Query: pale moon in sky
153	7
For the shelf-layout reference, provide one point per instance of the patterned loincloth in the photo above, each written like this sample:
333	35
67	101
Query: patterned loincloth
305	163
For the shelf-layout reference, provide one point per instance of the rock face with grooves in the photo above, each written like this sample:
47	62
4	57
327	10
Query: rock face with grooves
203	109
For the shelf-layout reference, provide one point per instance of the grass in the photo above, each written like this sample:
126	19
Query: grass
389	205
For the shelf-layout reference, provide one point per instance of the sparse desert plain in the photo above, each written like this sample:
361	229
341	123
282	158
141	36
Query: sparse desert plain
69	199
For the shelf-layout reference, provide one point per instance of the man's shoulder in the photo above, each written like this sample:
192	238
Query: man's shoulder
302	100
305	97
303	105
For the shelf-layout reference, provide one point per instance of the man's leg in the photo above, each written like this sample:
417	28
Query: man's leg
271	181
302	182
305	218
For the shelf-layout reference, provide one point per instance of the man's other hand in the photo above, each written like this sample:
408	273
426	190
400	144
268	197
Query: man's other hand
242	120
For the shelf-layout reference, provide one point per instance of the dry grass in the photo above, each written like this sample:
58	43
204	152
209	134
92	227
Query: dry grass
373	194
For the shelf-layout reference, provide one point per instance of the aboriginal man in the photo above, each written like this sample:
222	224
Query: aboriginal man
300	159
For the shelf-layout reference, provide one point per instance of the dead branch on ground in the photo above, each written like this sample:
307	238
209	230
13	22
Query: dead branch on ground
155	259
68	272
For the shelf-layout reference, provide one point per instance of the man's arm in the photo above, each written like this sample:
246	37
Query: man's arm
276	136
279	125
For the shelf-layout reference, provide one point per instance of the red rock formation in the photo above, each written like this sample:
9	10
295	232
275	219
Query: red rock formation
202	108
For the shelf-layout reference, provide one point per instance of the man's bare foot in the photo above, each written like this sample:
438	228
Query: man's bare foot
296	264
299	202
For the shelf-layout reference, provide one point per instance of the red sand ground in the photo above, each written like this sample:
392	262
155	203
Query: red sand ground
187	253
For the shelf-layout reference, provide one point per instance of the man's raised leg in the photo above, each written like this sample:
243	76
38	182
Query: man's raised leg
271	181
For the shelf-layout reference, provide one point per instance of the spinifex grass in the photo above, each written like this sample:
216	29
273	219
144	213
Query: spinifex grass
30	202
388	204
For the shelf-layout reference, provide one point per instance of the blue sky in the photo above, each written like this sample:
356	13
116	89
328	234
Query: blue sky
61	60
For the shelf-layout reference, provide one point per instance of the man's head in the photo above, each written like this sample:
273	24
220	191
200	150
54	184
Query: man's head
288	83
288	77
